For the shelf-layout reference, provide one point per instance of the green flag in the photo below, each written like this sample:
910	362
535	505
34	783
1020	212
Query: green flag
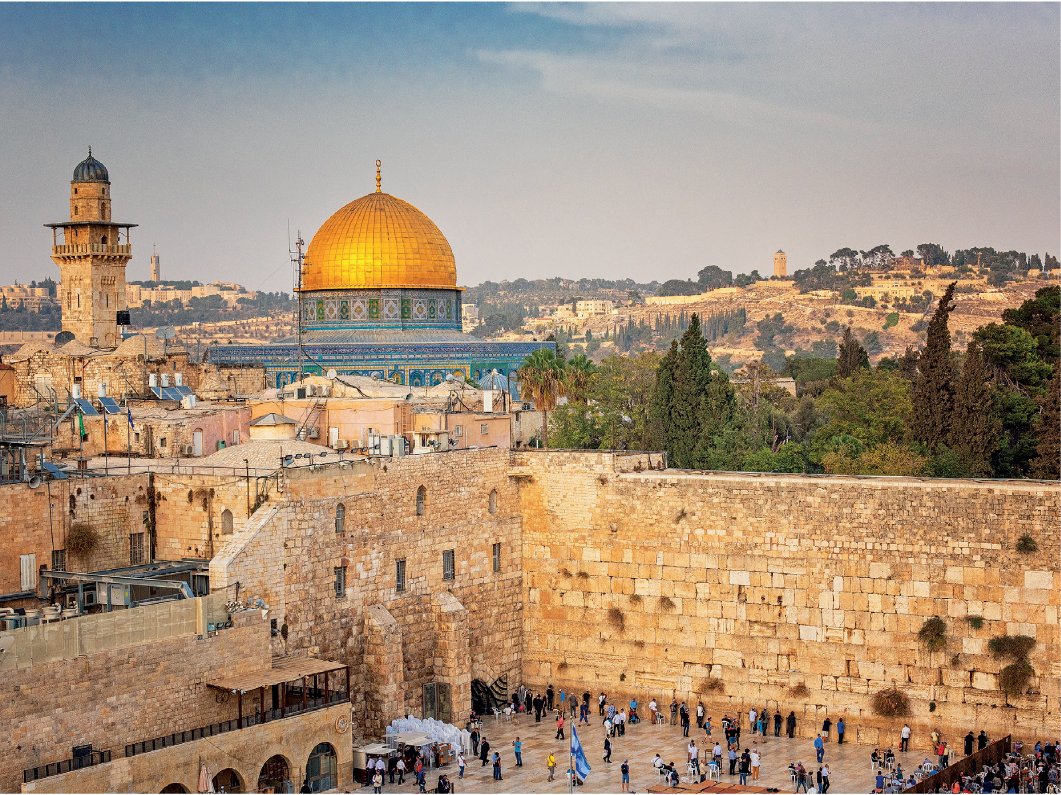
81	425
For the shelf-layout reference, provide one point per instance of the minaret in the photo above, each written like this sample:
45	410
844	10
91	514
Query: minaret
92	256
156	267
780	263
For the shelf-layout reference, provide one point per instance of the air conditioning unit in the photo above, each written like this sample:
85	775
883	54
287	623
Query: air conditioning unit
342	444
90	598
313	432
186	449
71	601
325	391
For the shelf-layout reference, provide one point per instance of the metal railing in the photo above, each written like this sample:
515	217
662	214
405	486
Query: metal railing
235	724
91	248
55	768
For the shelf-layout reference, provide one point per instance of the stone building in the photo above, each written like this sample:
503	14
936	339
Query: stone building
780	264
92	256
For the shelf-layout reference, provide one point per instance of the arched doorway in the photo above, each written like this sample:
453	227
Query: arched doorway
228	780
322	769
275	773
174	788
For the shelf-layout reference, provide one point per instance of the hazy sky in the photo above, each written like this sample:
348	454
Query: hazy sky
611	140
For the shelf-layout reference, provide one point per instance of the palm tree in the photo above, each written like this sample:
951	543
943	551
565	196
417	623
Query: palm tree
542	376
578	377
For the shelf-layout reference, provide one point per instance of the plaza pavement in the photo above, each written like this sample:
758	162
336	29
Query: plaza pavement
849	763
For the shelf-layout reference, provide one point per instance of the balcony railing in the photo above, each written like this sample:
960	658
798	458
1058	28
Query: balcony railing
76	763
90	248
247	721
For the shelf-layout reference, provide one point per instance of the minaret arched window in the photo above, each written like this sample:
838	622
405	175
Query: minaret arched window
340	518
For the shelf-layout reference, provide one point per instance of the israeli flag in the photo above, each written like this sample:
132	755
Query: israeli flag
582	767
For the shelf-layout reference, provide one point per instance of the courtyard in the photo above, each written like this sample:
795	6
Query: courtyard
849	763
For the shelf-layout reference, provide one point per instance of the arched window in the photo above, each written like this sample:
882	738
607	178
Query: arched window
275	773
340	518
321	769
421	500
493	501
226	522
229	779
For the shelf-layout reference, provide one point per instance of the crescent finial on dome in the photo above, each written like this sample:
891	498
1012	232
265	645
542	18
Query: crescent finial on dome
379	179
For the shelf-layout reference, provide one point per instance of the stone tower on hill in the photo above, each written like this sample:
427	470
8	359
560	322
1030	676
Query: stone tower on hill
780	263
92	254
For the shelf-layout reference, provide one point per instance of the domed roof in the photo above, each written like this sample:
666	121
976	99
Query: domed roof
378	241
91	170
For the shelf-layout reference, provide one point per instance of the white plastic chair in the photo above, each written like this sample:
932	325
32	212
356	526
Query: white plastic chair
714	771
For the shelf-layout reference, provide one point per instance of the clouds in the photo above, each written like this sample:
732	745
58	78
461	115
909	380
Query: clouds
640	140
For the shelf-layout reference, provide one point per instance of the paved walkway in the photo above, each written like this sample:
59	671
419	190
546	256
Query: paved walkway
849	763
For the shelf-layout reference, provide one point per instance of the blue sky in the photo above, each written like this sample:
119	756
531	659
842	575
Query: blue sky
602	140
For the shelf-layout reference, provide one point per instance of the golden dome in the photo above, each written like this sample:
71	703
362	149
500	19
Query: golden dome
378	241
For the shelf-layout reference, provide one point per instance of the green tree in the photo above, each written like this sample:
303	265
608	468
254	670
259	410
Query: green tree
851	356
1048	449
933	396
542	377
975	424
870	407
578	378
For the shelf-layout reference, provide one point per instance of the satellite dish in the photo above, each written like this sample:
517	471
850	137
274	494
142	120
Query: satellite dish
165	332
63	337
449	377
34	482
332	374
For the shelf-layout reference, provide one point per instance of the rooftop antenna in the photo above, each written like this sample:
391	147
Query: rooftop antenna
296	260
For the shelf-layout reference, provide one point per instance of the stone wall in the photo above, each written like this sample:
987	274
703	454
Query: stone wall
656	583
190	511
38	521
292	552
122	696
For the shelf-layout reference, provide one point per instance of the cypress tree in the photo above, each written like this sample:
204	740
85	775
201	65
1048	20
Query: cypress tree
851	355
692	377
933	398
1047	462
975	425
662	402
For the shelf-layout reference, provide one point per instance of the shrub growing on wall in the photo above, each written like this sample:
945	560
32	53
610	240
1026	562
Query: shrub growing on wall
799	691
891	703
933	635
1016	647
81	539
616	619
1015	677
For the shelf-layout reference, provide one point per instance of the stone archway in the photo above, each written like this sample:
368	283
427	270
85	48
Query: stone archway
174	788
228	780
322	768
275	772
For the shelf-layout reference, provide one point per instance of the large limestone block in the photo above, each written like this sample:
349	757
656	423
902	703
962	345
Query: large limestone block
1039	579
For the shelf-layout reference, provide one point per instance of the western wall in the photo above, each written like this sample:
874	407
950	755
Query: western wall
735	588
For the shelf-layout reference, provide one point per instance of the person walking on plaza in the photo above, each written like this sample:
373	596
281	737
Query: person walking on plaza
653	709
840	729
461	764
694	755
716	753
620	719
475	742
981	741
685	720
904	741
752	715
518	745
497	766
377	782
819	748
549	697
970	738
607	749
756	758
818	779
583	715
777	723
791	724
551	763
560	726
733	760
700	715
624	768
601	701
825	779
673	712
484	752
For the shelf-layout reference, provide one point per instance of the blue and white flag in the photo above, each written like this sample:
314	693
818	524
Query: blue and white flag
582	767
129	414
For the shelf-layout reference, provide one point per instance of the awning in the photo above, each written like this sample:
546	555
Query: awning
285	670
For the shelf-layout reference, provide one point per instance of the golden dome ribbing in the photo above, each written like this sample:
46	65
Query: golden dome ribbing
378	241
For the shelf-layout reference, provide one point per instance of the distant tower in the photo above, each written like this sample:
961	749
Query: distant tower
92	259
156	268
780	263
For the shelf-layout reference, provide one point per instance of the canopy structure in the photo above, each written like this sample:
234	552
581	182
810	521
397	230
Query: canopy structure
286	670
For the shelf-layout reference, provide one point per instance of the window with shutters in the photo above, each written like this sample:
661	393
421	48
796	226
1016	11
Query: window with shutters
340	582
492	503
421	500
497	557
484	429
58	560
399	575
28	570
137	553
226	522
448	570
340	518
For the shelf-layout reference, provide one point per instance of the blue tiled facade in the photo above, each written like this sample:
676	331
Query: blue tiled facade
417	363
381	309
